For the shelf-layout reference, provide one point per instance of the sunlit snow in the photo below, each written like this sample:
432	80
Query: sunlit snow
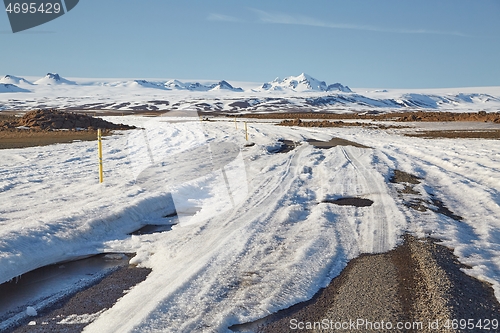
270	246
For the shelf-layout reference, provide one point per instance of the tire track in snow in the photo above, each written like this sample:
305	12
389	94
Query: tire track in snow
208	249
383	211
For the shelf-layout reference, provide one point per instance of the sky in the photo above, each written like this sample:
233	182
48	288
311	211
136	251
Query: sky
360	43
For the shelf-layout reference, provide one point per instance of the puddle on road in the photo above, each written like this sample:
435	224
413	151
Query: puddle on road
287	145
75	311
350	201
55	281
152	229
333	143
148	229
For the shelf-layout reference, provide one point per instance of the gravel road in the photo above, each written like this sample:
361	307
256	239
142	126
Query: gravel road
418	282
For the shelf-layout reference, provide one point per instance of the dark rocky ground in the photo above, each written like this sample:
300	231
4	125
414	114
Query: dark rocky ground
44	127
409	116
51	119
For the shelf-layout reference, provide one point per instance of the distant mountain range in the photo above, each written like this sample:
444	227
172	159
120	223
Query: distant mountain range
293	93
301	83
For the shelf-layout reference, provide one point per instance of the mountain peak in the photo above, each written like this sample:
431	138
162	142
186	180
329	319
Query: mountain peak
304	76
7	87
53	78
302	83
11	79
223	85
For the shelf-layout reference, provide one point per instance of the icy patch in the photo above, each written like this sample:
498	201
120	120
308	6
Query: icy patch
85	318
30	311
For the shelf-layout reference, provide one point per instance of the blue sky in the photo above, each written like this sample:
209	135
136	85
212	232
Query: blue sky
361	43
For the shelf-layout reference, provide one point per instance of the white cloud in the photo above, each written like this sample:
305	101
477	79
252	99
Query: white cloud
280	18
222	18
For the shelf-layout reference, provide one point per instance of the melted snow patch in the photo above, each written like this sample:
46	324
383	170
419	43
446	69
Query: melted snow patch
85	318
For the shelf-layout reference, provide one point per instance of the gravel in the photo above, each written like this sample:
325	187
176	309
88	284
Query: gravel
418	282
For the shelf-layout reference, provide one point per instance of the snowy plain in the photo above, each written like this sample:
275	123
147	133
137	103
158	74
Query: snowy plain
251	235
274	245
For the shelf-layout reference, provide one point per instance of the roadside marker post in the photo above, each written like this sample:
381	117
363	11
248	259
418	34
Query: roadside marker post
99	150
246	131
235	123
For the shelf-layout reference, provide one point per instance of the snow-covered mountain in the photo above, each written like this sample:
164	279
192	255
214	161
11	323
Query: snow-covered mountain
224	85
302	83
176	85
53	79
294	93
196	86
338	87
11	79
147	84
6	87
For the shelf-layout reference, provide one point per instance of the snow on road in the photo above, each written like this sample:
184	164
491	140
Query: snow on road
264	251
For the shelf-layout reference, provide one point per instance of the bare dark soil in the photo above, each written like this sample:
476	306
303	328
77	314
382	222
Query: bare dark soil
413	198
404	177
45	127
333	143
465	134
356	202
409	116
26	138
325	123
289	145
399	117
52	119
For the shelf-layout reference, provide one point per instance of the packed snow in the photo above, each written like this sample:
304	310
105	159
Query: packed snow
252	235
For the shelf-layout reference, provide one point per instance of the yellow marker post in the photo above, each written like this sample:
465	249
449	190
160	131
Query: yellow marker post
235	123
99	150
246	131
